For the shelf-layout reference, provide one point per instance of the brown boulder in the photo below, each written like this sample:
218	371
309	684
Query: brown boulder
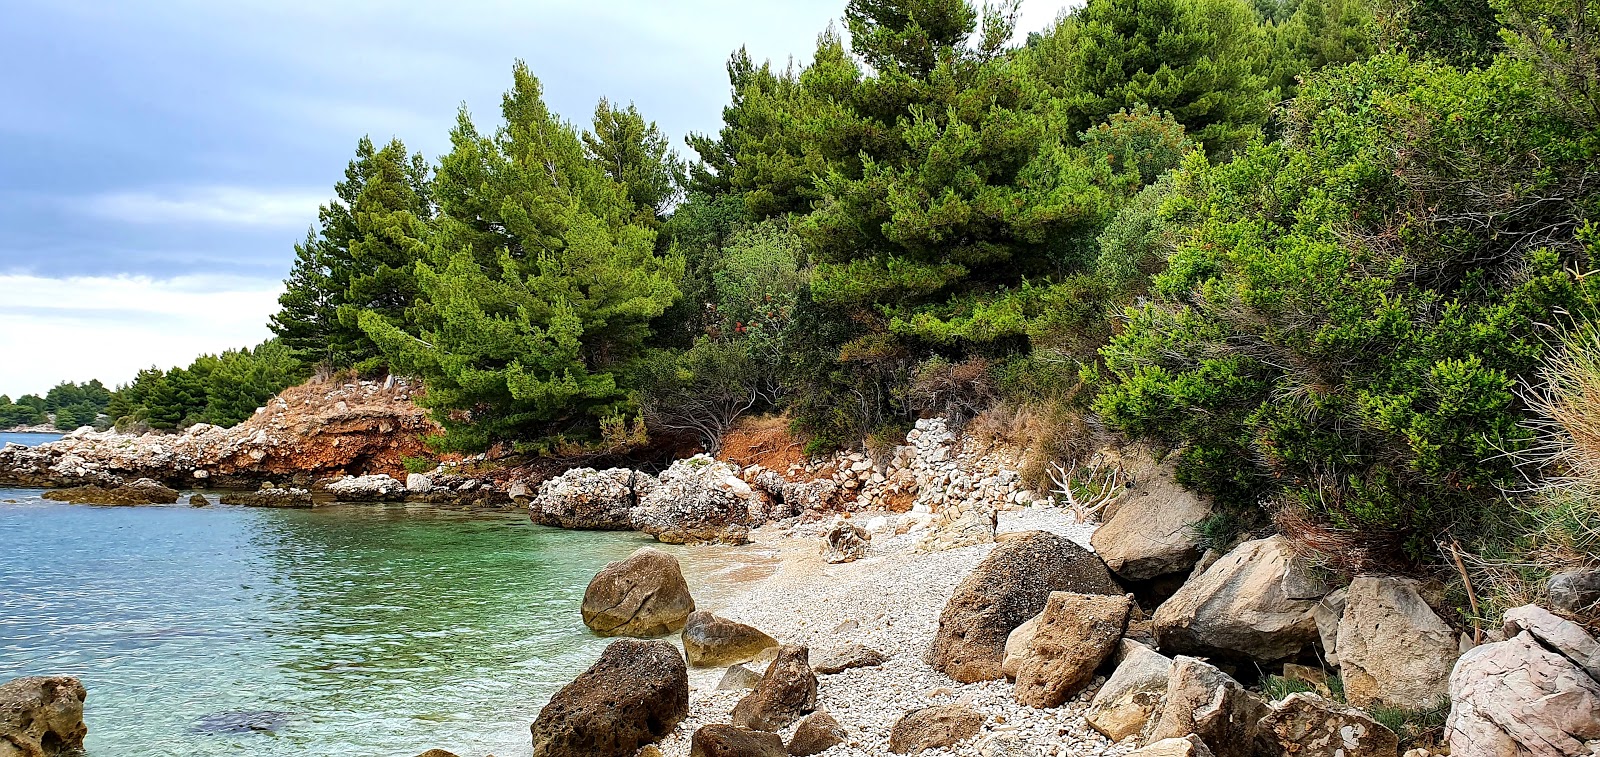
852	655
643	595
1206	702
733	741
934	727
1394	650
1074	635
1306	725
712	641
634	695
1249	605
787	691
1149	531
1123	706
1010	586
141	492
438	753
1189	746
817	733
42	716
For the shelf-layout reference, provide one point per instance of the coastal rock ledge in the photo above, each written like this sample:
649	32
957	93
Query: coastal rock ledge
42	716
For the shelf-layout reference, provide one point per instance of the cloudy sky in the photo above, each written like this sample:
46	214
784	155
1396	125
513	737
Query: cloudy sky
159	159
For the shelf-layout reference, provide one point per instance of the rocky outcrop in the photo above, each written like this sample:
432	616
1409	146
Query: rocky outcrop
1203	701
787	691
699	500
1149	531
711	641
934	727
270	497
590	499
817	733
1074	635
42	716
841	658
1523	697
1393	649
642	595
1306	725
1123	706
732	741
1563	637
317	430
846	542
1251	604
141	492
634	695
377	487
1010	586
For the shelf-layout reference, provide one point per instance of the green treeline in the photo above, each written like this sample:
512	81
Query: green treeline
1312	246
222	390
72	405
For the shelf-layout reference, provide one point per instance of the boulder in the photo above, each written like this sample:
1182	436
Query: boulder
1563	637
1518	698
1206	702
1575	591
199	500
846	542
634	695
375	488
1188	746
1123	706
1010	586
643	595
699	500
733	741
852	655
738	677
141	492
1306	725
712	641
1149	531
1017	643
817	733
274	497
589	499
787	691
1241	607
1075	634
821	494
42	716
419	483
934	727
1393	649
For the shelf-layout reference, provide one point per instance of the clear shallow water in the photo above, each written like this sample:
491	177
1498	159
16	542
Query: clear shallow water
27	439
350	630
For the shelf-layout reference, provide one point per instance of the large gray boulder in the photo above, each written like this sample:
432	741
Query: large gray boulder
1250	604
1306	725
643	595
1074	635
1133	693
1010	586
1203	701
787	691
42	716
634	695
699	500
1519	698
585	498
1574	591
1394	650
1149	531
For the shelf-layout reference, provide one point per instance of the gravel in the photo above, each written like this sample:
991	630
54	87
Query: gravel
889	601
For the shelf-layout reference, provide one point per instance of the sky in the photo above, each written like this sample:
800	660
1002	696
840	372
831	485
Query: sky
159	159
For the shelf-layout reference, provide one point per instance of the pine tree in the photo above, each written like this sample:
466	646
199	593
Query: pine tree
634	154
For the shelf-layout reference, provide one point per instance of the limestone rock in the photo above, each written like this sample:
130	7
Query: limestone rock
1007	744
141	492
852	655
42	716
1016	649
787	691
1239	607
286	498
1516	698
1149	531
738	677
1306	725
643	595
817	733
1206	702
711	641
1010	586
733	741
634	695
1188	746
1393	649
1327	613
846	542
588	499
374	488
1123	706
1563	637
699	500
419	483
1574	591
1075	634
934	727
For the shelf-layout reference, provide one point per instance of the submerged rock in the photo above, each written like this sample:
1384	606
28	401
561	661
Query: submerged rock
634	695
242	721
42	716
141	492
642	595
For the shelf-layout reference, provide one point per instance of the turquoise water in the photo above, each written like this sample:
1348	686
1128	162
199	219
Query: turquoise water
26	440
347	630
